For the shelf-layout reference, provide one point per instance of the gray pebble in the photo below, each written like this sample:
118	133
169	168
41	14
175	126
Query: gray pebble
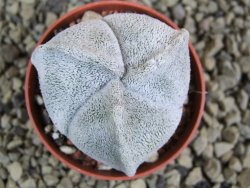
194	177
139	183
230	134
200	144
65	183
212	169
179	12
242	99
235	164
244	179
1	183
170	3
230	175
215	45
233	118
9	52
246	161
28	183
173	178
15	169
50	18
222	147
246	117
5	122
51	180
209	64
91	15
14	144
46	169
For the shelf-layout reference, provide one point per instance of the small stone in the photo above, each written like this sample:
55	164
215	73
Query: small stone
179	12
15	170
208	152
122	185
209	64
5	122
55	135
74	176
27	12
101	184
235	164
200	144
50	180
246	161
102	166
28	1
3	173
233	118
222	147
246	117
190	3
244	64
173	177
230	175
39	100
9	52
230	134
46	169
91	15
226	157
139	183
230	77
29	183
170	3
50	18
153	158
14	144
12	8
215	45
244	179
244	131
1	183
212	169
68	150
194	177
65	183
4	159
11	184
185	160
242	99
48	128
213	134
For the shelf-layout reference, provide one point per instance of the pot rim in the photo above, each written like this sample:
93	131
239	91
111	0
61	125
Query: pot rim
69	163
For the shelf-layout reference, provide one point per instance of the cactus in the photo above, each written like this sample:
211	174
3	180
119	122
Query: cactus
116	86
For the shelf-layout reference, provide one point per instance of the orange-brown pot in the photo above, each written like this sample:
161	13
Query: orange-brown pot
180	141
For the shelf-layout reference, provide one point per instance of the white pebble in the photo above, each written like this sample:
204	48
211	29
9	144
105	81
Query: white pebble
102	166
68	150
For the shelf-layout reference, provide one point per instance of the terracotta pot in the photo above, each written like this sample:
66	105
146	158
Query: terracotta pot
183	135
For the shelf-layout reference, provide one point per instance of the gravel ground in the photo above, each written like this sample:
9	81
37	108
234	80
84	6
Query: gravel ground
220	154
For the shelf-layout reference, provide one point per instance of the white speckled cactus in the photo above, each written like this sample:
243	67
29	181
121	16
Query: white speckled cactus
116	86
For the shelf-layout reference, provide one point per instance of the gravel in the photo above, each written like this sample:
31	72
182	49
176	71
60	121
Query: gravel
218	156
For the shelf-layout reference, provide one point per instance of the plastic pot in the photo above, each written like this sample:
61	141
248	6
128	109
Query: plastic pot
183	135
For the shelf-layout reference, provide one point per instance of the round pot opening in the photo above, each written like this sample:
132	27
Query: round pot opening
185	131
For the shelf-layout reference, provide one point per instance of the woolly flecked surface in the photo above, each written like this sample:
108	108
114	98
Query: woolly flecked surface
116	86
